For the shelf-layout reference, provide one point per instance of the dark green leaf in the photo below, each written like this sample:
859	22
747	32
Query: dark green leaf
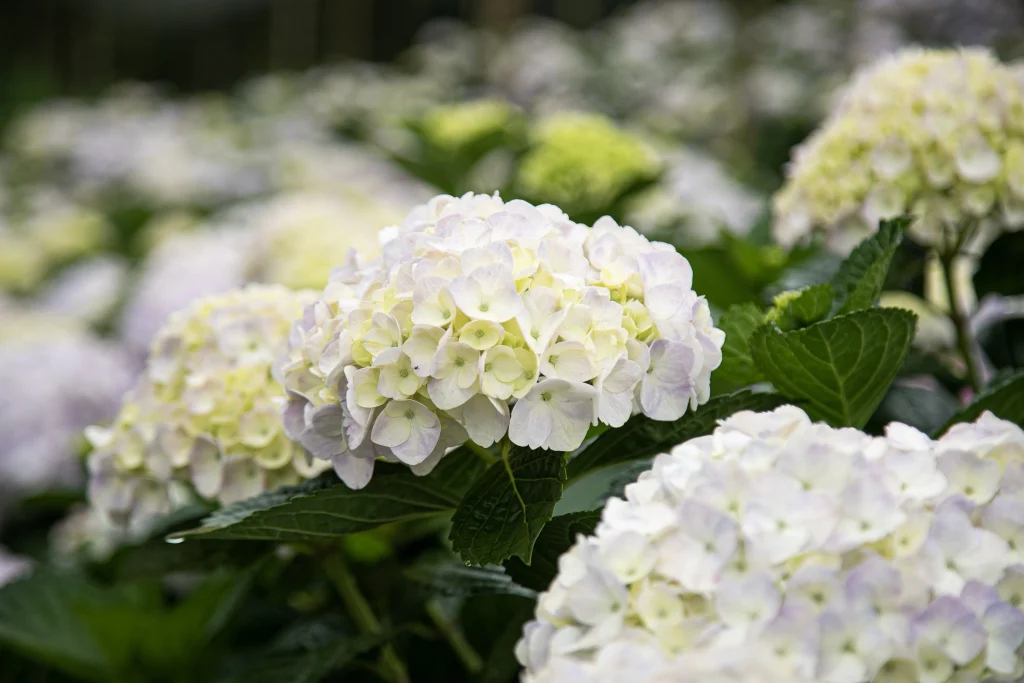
505	509
926	408
840	368
38	618
310	512
861	276
119	633
739	323
308	666
1004	399
557	537
642	437
451	579
803	307
500	664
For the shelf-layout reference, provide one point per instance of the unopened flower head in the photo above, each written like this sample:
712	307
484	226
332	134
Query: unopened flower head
934	133
484	318
584	163
776	549
455	127
205	415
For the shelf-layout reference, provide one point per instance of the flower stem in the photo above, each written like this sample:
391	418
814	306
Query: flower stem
361	612
469	657
964	336
482	452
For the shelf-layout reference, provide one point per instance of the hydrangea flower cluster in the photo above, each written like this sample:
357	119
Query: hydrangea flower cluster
55	380
776	549
456	127
584	163
935	133
206	412
41	232
485	317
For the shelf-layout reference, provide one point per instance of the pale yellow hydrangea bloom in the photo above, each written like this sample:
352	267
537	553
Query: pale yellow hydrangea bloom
935	133
205	415
303	235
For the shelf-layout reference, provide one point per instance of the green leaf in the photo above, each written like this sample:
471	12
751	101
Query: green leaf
557	537
840	368
309	666
505	509
861	276
1004	399
122	633
642	437
311	512
500	664
926	408
739	323
38	618
803	307
451	579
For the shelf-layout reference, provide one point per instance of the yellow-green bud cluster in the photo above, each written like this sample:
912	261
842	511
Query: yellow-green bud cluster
935	133
455	127
205	415
583	163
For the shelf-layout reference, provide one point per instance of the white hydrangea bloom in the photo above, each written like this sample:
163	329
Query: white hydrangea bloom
484	318
181	269
698	198
54	382
776	549
12	567
206	413
935	133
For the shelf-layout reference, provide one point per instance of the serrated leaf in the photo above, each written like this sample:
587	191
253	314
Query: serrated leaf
803	307
1004	399
451	579
739	323
557	537
505	509
310	512
861	276
840	368
642	437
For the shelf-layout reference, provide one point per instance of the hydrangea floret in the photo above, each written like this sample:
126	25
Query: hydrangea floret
205	417
485	318
935	133
777	549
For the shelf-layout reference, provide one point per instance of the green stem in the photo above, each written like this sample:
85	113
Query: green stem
964	337
469	657
361	612
484	454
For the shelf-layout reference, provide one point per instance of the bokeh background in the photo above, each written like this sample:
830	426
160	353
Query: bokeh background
155	152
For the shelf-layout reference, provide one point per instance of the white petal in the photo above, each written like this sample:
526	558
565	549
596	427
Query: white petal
354	471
